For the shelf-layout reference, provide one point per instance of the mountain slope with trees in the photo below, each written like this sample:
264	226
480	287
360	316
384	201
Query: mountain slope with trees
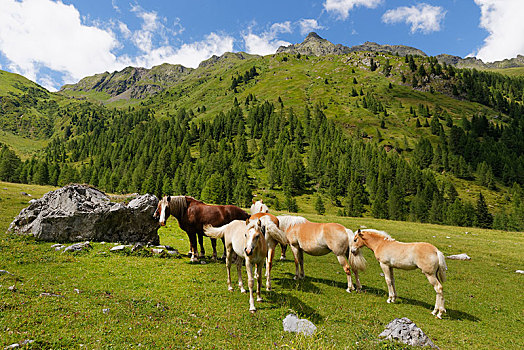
363	133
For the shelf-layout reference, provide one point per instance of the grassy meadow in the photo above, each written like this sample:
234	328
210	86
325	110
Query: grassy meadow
155	302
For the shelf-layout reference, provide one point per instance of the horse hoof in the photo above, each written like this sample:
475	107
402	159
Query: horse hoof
260	299
230	289
390	301
242	290
349	290
193	260
253	311
282	258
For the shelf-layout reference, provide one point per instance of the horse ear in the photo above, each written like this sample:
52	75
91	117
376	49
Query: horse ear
359	232
247	221
169	198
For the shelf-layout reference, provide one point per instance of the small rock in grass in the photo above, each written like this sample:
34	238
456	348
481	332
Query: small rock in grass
78	247
520	271
407	332
462	256
382	274
172	252
119	247
25	194
203	262
45	294
157	251
137	247
448	237
298	325
12	288
77	291
106	311
4	272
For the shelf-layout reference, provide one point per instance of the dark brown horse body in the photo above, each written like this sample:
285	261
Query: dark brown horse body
193	214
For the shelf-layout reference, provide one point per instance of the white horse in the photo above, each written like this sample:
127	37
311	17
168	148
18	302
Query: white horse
260	207
273	236
247	240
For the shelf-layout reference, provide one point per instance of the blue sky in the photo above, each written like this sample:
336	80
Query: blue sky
57	42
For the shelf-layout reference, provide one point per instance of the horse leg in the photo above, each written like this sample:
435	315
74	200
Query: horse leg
301	262
224	244
439	302
390	281
193	246
201	243
283	248
214	245
344	263
259	282
271	244
239	270
357	281
250	284
228	267
295	256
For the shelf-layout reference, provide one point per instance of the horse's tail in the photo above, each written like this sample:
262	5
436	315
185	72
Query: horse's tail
357	262
215	232
442	267
274	231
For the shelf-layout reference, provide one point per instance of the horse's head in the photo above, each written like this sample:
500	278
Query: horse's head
358	242
162	211
254	233
259	207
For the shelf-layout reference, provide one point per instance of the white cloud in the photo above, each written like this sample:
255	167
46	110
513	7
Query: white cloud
422	17
503	21
45	40
342	7
308	25
36	33
266	43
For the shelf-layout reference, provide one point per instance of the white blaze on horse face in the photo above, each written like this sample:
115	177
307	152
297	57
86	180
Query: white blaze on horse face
251	239
162	219
259	207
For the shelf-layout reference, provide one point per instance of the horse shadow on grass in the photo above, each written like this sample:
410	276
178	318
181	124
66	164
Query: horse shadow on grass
307	285
278	299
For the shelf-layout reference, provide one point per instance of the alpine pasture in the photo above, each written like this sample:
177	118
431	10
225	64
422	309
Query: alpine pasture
108	300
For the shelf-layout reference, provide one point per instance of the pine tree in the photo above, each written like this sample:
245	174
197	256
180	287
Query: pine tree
484	218
291	204
319	205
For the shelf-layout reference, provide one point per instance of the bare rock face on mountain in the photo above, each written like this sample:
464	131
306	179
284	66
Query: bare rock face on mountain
314	45
81	213
401	50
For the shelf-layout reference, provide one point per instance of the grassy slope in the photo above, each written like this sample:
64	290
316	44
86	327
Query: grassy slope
170	303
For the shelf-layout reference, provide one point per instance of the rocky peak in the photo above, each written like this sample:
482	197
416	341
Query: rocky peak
313	36
314	45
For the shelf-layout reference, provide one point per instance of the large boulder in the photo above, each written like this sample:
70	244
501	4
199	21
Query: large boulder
77	213
407	332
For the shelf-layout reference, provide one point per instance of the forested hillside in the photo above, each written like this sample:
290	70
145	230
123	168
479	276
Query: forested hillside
362	133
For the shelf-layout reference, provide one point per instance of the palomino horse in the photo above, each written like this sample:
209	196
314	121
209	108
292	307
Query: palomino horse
406	256
261	207
246	239
273	236
320	239
192	215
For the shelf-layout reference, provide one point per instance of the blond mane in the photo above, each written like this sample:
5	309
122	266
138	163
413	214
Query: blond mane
384	234
178	206
287	221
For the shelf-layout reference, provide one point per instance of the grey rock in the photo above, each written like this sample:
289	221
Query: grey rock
12	346
407	332
157	251
51	295
520	271
78	247
173	252
106	311
137	247
5	272
119	247
462	256
78	213
25	194
12	288
298	325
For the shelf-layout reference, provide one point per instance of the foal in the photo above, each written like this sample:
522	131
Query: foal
273	235
247	240
406	256
261	207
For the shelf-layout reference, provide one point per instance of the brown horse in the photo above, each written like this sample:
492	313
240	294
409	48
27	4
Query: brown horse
406	256
320	239
193	214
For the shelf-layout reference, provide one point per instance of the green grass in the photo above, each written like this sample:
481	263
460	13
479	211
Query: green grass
170	303
24	147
